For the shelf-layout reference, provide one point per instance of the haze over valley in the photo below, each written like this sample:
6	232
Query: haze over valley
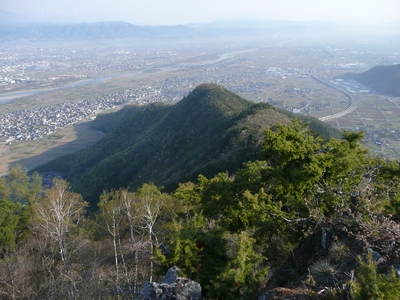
248	150
56	76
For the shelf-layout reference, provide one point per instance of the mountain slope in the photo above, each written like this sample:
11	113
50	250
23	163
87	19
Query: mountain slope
16	27
383	79
211	130
88	31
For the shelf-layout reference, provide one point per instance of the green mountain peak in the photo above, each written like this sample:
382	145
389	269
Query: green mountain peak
210	130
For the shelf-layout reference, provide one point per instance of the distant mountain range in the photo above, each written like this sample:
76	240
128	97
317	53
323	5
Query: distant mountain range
15	27
88	31
211	130
382	79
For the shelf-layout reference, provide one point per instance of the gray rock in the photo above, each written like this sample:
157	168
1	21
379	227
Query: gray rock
376	256
172	275
172	288
397	270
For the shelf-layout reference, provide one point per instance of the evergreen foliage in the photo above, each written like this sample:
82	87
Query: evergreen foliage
372	285
209	131
245	271
9	223
298	214
302	179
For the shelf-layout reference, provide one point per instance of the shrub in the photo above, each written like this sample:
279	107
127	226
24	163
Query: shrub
371	285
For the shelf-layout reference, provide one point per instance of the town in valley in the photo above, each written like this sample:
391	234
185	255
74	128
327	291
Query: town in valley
49	86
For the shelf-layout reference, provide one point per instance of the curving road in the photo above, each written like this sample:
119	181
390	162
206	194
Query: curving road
353	99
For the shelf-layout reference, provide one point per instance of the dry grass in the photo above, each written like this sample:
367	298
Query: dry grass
338	252
322	271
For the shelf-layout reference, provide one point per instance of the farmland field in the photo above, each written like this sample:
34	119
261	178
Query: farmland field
275	71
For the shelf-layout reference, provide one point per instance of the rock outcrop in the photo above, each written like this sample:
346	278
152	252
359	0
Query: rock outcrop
172	287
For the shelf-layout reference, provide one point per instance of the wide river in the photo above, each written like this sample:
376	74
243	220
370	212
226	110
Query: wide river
8	97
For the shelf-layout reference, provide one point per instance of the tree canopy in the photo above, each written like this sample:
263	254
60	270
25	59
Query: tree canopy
307	211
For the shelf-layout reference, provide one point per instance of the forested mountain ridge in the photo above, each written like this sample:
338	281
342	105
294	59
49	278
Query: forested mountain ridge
308	218
209	131
382	79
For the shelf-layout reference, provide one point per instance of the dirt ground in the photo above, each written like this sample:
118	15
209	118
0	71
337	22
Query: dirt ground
31	154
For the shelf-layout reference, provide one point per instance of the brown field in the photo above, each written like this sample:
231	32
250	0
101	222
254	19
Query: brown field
34	153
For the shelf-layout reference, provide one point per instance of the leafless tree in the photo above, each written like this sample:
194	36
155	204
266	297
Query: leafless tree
56	215
150	201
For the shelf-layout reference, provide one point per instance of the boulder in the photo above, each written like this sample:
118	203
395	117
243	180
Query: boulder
172	287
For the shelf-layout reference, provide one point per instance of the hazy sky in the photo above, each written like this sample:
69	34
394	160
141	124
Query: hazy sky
156	12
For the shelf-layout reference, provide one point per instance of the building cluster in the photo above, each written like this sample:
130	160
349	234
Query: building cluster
283	73
352	86
34	123
27	62
4	80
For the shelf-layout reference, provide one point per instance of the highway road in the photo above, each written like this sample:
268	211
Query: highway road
353	99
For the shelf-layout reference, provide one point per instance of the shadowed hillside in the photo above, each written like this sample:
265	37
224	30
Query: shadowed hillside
383	79
211	130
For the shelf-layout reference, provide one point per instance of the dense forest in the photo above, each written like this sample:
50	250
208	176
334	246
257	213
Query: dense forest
211	130
309	214
308	217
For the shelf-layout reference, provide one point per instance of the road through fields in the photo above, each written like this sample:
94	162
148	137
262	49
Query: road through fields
353	99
